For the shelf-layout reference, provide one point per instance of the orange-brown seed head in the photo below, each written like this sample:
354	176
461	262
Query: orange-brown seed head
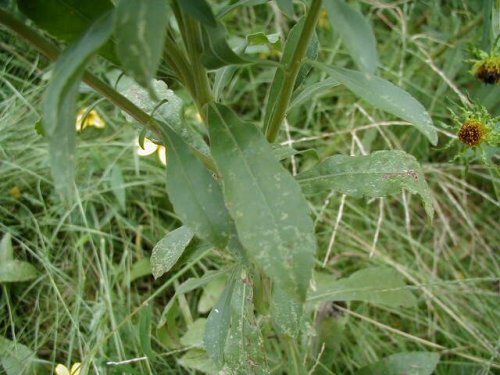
472	133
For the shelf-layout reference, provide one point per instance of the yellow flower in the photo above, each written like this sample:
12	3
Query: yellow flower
87	118
149	147
63	370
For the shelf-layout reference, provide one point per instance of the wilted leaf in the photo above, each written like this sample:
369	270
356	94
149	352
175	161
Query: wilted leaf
412	363
374	285
376	175
14	271
169	249
356	33
270	212
140	30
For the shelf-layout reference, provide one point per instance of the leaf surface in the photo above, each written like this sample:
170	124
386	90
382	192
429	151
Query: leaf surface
16	358
169	249
14	271
379	174
199	10
411	363
269	210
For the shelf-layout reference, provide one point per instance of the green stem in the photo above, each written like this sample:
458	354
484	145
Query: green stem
292	70
52	52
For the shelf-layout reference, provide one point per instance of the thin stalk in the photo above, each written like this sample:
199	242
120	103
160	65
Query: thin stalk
292	70
52	52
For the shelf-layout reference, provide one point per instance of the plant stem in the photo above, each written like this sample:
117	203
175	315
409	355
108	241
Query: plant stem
292	70
52	52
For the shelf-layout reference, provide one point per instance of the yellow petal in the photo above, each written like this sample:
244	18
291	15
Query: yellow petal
62	370
162	154
149	147
75	369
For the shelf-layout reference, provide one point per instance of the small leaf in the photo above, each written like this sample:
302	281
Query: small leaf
259	39
169	249
140	30
230	7
286	6
196	196
199	10
211	294
310	91
269	210
197	359
217	326
197	282
14	271
376	175
194	335
374	285
144	328
386	96
6	250
16	358
67	20
139	269
118	186
60	103
411	363
286	313
216	51
356	34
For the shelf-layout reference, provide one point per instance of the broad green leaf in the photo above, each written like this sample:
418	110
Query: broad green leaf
16	358
287	59
14	271
376	175
217	326
216	51
244	352
6	250
286	313
196	196
67	20
144	329
386	96
199	10
118	186
286	6
194	334
380	285
356	34
310	91
270	212
411	363
140	30
169	249
197	359
59	106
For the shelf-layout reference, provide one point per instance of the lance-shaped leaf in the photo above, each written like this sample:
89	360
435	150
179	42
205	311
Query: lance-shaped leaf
217	326
169	249
67	20
244	351
140	30
286	313
384	95
216	51
60	103
270	212
196	196
411	363
199	10
356	33
375	285
286	6
376	175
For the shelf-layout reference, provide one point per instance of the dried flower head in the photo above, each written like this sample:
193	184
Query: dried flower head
472	133
487	69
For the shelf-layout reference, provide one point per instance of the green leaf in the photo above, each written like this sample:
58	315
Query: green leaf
211	294
197	282
199	10
376	175
6	250
15	358
244	352
194	335
140	30
230	7
286	6
260	38
14	271
217	326
270	212
118	186
197	359
169	249
384	95
356	34
286	313
411	363
310	91
67	20
380	285
139	269
144	328
216	51
196	196
59	106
